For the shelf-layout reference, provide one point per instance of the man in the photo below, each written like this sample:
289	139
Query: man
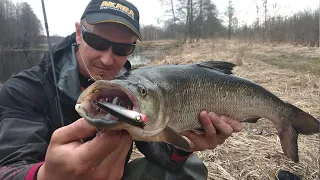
35	144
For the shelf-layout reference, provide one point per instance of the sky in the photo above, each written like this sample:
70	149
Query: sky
62	14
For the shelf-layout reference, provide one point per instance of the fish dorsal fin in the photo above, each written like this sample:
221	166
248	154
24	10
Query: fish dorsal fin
222	66
172	137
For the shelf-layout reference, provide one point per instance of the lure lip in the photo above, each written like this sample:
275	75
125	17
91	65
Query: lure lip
128	116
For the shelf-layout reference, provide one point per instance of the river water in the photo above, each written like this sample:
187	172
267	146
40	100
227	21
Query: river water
12	62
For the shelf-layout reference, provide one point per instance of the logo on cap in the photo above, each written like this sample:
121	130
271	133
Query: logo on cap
118	7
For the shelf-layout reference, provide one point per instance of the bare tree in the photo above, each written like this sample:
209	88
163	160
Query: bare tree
174	18
151	32
196	19
212	25
230	13
257	24
20	26
265	7
200	20
319	25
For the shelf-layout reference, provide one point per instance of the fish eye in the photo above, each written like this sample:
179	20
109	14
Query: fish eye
142	90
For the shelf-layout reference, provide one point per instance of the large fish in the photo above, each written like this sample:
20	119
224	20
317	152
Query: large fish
172	96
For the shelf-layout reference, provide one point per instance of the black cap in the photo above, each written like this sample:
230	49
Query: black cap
117	11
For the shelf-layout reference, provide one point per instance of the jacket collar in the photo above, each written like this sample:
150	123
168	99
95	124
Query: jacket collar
57	51
68	79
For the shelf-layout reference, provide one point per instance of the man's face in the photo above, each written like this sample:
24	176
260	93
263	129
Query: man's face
102	63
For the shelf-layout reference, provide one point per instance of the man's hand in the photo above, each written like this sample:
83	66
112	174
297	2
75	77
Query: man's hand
217	130
68	157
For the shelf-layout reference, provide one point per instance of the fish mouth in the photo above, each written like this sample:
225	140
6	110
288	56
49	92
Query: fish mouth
112	93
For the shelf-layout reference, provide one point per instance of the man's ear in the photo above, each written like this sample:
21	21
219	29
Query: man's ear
78	32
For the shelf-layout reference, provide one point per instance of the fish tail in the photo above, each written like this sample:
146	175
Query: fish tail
305	123
302	123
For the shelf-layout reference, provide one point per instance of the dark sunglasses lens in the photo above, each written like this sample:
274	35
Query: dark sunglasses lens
122	50
101	44
96	42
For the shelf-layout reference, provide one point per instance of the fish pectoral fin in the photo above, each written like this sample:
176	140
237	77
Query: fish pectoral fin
251	120
172	137
222	66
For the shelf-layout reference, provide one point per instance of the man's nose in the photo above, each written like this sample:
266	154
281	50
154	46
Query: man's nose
107	57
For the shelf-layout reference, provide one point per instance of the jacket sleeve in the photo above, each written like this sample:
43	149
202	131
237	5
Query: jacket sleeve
23	127
163	154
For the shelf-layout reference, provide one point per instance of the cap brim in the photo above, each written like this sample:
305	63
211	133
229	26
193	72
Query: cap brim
102	17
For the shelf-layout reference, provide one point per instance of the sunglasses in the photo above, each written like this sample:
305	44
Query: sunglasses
99	43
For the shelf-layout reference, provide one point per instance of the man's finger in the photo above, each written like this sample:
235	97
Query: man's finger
207	124
116	159
199	142
192	145
94	151
220	124
235	125
76	131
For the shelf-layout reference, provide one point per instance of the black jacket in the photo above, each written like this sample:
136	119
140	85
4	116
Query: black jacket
29	115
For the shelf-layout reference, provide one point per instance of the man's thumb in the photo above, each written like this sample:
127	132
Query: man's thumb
78	130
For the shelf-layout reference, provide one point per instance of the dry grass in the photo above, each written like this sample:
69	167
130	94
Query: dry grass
255	153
